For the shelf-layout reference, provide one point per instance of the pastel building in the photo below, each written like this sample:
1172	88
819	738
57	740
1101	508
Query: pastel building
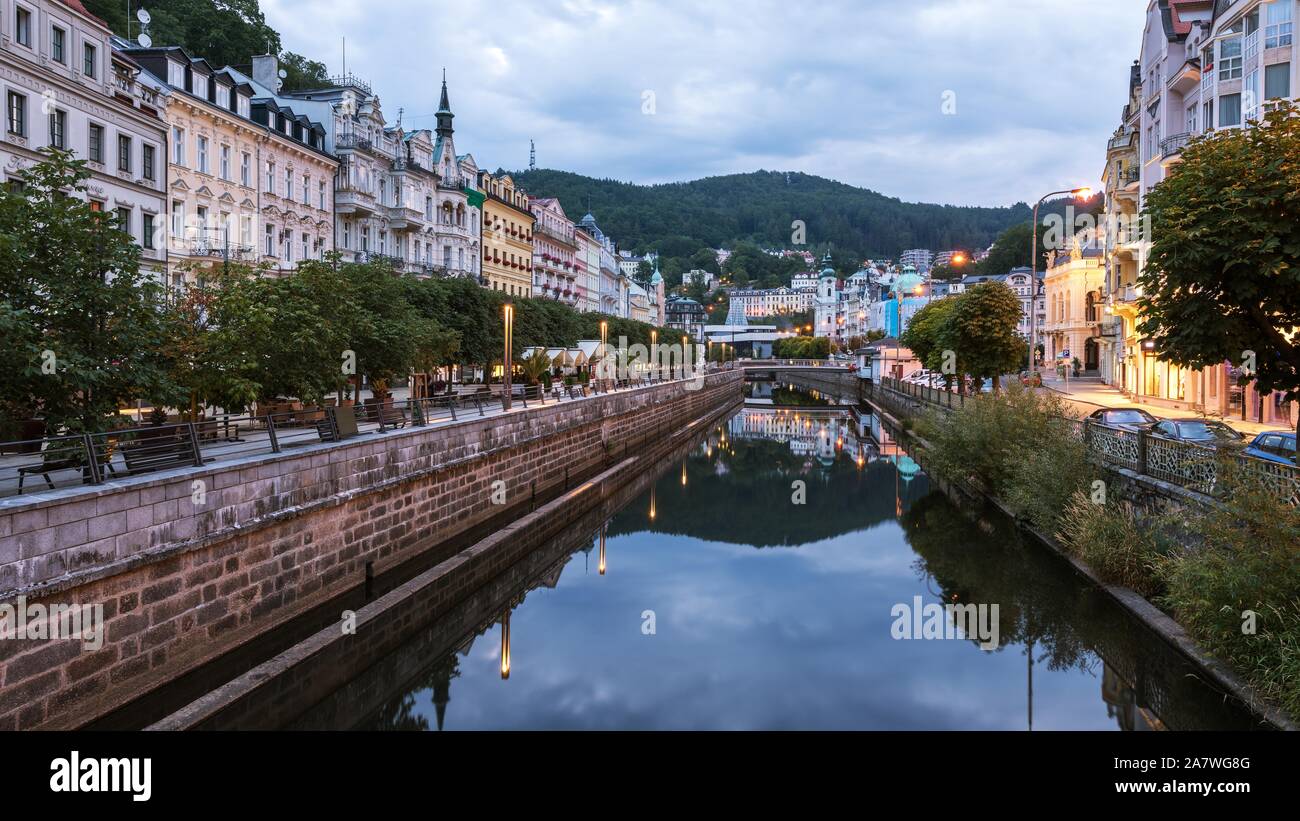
65	86
555	247
507	235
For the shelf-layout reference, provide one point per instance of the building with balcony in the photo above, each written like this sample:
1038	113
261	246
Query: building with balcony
249	179
919	258
401	196
767	302
1073	288
507	235
586	265
686	315
612	288
1203	66
556	273
66	86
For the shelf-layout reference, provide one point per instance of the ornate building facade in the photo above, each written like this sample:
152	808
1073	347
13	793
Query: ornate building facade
507	235
556	273
65	86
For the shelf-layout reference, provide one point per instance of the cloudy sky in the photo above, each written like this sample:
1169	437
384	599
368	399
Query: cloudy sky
969	102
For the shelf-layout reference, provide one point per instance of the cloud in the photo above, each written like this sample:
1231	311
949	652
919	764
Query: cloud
849	89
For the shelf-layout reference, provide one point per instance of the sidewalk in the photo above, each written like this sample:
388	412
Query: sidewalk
1088	393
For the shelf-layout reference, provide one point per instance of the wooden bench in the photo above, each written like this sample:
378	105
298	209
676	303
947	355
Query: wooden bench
54	458
152	453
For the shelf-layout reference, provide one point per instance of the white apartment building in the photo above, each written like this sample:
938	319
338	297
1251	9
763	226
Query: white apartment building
65	86
765	302
401	197
919	258
1204	65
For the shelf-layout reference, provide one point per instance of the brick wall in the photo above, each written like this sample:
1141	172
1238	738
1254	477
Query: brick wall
181	583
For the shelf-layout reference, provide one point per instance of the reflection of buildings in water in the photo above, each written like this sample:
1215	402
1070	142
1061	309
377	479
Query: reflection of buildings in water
818	436
1122	703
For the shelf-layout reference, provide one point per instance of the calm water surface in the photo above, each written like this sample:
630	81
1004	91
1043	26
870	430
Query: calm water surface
768	614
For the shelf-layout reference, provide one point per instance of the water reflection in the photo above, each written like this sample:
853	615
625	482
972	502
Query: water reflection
732	606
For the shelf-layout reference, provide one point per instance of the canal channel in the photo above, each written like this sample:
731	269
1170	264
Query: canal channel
767	578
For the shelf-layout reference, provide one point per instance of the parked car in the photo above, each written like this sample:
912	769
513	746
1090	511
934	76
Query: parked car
1034	379
1275	446
917	377
1129	419
1198	431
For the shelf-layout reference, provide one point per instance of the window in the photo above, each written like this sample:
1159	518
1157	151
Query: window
306	240
428	211
225	162
245	163
270	240
288	246
1277	24
1250	99
146	162
1277	81
322	195
178	146
95	143
57	39
1229	110
175	75
178	218
59	128
1207	121
88	60
306	191
148	232
1191	119
123	152
124	220
243	106
200	86
1230	58
17	114
270	177
288	183
245	229
202	152
23	27
347	234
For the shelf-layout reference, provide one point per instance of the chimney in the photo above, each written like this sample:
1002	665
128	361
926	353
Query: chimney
266	71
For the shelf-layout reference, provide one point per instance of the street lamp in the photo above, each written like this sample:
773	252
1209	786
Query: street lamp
507	360
654	356
604	342
1078	193
685	345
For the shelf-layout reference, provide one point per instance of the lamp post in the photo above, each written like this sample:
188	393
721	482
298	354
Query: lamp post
685	347
508	358
1078	193
604	343
654	356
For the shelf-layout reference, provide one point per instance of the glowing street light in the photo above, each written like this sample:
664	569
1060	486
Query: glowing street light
507	360
1078	193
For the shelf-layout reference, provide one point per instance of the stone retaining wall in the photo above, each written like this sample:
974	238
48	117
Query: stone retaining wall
183	578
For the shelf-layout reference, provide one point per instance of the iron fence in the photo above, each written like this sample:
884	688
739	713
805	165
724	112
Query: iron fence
59	461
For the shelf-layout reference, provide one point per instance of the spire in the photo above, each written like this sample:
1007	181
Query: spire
444	110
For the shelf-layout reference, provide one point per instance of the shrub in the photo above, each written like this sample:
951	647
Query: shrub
1043	482
985	440
1118	544
1248	562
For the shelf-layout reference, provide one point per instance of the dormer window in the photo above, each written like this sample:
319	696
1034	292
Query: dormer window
243	105
175	75
200	88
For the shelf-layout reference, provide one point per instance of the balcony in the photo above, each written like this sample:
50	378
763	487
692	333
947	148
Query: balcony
354	201
1187	77
352	141
1172	147
401	217
567	238
381	259
1125	139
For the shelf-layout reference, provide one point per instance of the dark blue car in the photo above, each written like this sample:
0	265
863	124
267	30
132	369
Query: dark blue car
1275	446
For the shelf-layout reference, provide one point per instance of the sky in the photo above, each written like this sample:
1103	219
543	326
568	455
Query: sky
965	102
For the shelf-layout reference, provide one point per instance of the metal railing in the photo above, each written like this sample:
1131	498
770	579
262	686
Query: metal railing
1186	464
1175	144
61	461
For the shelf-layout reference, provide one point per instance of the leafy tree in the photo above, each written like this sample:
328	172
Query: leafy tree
1222	280
302	73
982	332
82	330
927	330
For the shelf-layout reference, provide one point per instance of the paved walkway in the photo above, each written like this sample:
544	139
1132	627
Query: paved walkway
1088	393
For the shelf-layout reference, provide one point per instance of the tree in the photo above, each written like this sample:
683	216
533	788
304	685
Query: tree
535	366
926	332
981	331
82	329
1222	279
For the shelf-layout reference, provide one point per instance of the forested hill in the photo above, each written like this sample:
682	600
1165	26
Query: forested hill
760	206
